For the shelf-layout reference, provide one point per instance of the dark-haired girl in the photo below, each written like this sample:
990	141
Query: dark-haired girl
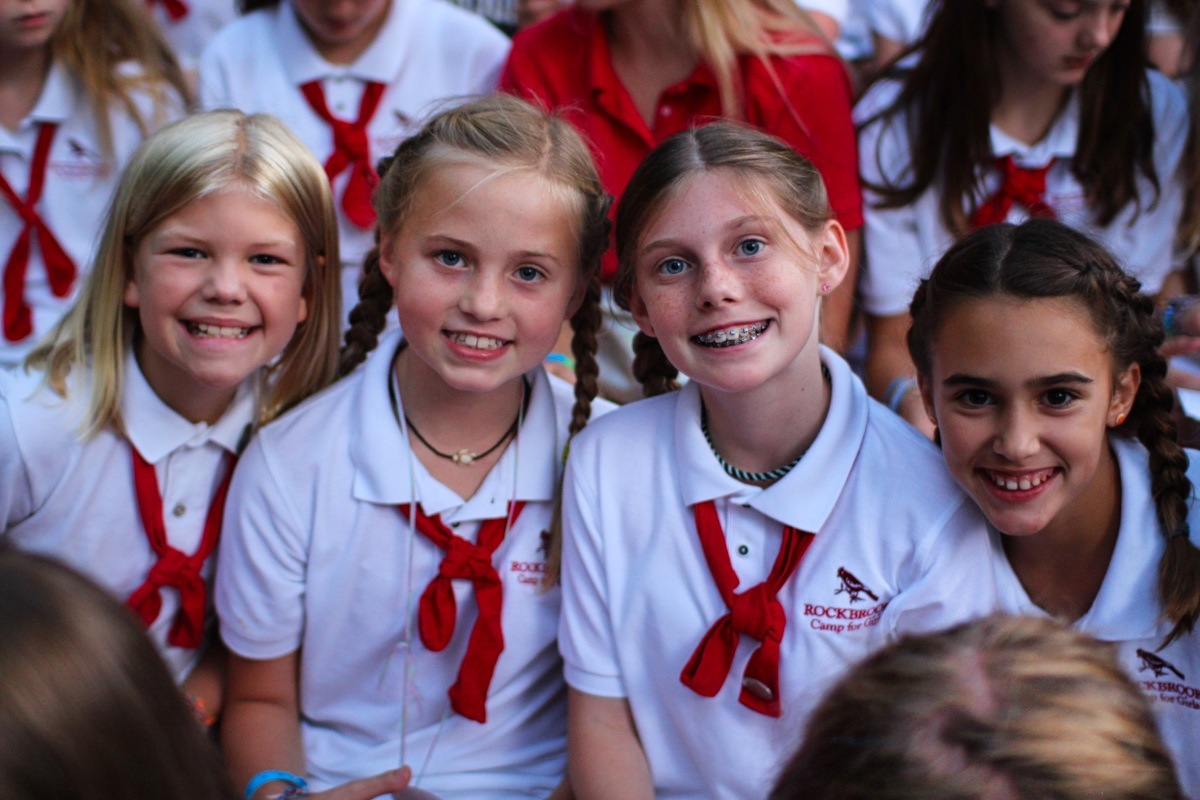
1039	365
1012	109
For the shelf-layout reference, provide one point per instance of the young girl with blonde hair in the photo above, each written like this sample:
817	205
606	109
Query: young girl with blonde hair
730	547
630	74
1039	365
212	306
82	82
384	583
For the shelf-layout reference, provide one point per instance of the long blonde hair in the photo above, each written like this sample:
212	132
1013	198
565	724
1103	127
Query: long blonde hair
98	40
1001	707
186	161
722	30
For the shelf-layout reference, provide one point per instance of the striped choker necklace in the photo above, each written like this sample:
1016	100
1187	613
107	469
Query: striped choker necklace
740	474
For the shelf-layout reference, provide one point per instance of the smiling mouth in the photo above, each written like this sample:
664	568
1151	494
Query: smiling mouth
203	331
729	337
1019	483
477	342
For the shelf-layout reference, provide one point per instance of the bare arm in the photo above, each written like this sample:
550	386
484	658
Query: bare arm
838	310
605	759
828	25
205	685
888	359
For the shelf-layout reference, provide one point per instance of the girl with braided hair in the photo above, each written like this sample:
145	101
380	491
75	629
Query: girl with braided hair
385	584
730	547
1039	364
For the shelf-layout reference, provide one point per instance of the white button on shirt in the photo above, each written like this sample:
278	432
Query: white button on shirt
318	557
903	244
426	53
75	500
1127	611
80	179
639	596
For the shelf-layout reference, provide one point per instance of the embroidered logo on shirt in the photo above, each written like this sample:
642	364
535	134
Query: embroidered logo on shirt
80	161
1172	690
853	586
1159	665
532	572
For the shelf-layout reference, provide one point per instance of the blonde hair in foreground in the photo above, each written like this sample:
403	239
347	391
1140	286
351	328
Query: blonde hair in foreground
1004	708
193	158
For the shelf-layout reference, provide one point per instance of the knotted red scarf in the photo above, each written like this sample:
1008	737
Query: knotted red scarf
438	610
1024	185
60	269
351	148
173	568
755	612
176	9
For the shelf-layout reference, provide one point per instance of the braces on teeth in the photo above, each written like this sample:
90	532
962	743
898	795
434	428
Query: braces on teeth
733	336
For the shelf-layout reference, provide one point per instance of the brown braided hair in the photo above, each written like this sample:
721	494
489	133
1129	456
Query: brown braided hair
1045	259
771	172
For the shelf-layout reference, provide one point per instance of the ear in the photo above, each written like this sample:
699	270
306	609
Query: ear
1125	389
387	260
833	255
130	295
927	398
577	296
638	309
309	281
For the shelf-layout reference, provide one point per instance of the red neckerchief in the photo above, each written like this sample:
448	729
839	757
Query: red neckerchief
351	148
173	567
1024	185
755	612
438	609
60	269
176	9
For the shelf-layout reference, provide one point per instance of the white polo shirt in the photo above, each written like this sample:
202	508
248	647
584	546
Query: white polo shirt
638	595
189	34
903	244
1127	611
80	179
902	21
317	558
75	500
427	52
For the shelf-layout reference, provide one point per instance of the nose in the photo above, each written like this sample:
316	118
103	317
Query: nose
483	296
1018	436
1100	27
225	281
718	284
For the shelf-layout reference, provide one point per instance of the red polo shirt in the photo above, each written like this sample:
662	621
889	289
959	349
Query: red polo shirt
564	62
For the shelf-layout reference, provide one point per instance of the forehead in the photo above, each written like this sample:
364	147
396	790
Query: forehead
1004	337
712	198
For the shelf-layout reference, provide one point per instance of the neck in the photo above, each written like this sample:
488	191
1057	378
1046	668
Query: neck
189	399
22	76
1063	566
766	428
1027	108
638	35
347	52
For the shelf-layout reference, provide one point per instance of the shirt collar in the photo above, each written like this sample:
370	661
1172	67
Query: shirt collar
819	477
1059	142
380	62
386	473
156	430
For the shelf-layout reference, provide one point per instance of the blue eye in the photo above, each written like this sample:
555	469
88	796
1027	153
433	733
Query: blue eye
265	258
672	266
450	258
529	274
750	247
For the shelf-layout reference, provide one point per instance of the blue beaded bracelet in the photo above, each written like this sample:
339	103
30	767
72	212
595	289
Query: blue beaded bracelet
268	775
561	358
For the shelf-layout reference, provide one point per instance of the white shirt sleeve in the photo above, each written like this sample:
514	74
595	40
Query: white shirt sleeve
261	563
837	9
585	634
16	493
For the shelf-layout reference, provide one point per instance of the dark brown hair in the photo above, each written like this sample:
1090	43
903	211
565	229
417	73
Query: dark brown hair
769	170
1004	707
946	102
88	710
1189	224
1046	259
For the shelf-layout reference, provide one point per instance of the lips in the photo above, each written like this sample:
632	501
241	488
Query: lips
1018	481
731	335
203	330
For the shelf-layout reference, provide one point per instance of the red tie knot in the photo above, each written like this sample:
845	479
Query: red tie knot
170	568
353	140
466	560
750	612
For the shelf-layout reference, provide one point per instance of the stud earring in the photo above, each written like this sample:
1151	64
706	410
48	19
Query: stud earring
1120	419
825	288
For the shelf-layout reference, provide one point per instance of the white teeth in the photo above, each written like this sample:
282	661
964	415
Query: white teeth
732	336
1024	484
205	331
477	342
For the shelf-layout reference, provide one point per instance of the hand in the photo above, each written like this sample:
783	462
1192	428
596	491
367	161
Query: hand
561	371
1181	345
913	411
380	785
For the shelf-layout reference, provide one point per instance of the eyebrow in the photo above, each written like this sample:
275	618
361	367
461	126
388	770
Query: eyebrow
670	243
464	245
1058	379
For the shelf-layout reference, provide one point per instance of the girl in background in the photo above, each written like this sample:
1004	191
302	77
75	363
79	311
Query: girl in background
82	82
212	306
1040	367
351	80
425	482
1013	108
750	503
628	75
